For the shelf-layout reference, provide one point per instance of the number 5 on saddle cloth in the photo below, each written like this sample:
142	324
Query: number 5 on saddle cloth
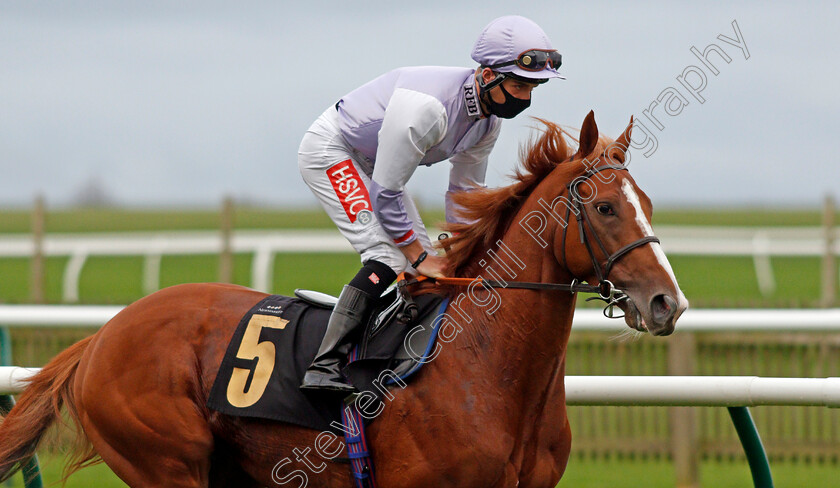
277	339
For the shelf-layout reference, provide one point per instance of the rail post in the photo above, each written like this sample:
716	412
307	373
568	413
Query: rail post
685	448
226	256
829	263
750	440
31	470
38	267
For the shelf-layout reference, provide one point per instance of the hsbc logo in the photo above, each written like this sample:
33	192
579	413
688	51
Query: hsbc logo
350	190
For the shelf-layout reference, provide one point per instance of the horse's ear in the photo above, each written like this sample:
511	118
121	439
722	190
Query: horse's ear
623	140
588	135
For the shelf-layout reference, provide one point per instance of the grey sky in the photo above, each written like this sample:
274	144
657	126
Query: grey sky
180	104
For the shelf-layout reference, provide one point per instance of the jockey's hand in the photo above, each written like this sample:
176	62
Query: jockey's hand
433	266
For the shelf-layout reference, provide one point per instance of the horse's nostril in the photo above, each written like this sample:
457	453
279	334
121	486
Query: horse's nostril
662	307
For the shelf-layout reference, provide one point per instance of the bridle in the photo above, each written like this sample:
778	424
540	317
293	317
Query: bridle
606	291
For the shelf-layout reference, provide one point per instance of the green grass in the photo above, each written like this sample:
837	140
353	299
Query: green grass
15	276
741	217
323	272
725	281
14	280
580	473
52	466
706	281
118	280
117	219
627	473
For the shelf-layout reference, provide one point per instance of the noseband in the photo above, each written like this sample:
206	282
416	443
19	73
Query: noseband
606	288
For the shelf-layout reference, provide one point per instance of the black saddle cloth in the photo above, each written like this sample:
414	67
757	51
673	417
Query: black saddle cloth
277	340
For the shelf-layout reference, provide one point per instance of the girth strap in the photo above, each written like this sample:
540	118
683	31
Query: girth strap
358	452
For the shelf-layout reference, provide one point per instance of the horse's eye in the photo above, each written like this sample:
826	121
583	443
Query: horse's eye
604	209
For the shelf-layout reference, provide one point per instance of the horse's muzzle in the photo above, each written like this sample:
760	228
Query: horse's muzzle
664	312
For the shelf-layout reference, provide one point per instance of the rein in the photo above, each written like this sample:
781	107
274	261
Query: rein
574	287
605	290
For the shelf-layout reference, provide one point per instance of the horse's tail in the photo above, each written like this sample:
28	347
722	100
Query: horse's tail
38	407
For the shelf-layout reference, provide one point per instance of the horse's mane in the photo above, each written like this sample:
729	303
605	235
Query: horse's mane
491	210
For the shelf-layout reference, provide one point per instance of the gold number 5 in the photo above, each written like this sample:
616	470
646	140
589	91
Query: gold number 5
249	349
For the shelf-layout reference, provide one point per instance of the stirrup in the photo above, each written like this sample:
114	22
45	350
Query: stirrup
318	381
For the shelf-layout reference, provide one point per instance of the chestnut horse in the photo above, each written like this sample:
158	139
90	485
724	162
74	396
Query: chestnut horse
489	411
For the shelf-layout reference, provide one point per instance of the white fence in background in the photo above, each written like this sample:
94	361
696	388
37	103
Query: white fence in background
581	390
759	243
709	320
677	390
684	391
153	245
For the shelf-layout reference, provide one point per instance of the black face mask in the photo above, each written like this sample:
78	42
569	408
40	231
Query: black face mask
511	107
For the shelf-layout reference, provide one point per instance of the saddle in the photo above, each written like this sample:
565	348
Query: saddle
394	344
396	338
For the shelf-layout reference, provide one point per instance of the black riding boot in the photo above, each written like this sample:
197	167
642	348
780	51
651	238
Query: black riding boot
325	371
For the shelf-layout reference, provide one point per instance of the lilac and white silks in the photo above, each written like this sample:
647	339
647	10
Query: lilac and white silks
386	129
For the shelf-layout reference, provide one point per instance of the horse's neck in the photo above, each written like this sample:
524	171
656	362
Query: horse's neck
518	334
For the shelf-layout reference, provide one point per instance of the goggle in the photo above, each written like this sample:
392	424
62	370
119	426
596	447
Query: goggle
535	60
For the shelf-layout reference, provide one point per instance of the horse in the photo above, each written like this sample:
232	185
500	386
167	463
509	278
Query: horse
488	411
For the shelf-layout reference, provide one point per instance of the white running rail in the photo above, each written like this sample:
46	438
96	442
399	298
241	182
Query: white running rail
708	391
694	320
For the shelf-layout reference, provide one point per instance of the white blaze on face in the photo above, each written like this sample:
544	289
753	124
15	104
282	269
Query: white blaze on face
647	230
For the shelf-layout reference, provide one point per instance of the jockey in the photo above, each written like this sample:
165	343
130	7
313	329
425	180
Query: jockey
359	154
